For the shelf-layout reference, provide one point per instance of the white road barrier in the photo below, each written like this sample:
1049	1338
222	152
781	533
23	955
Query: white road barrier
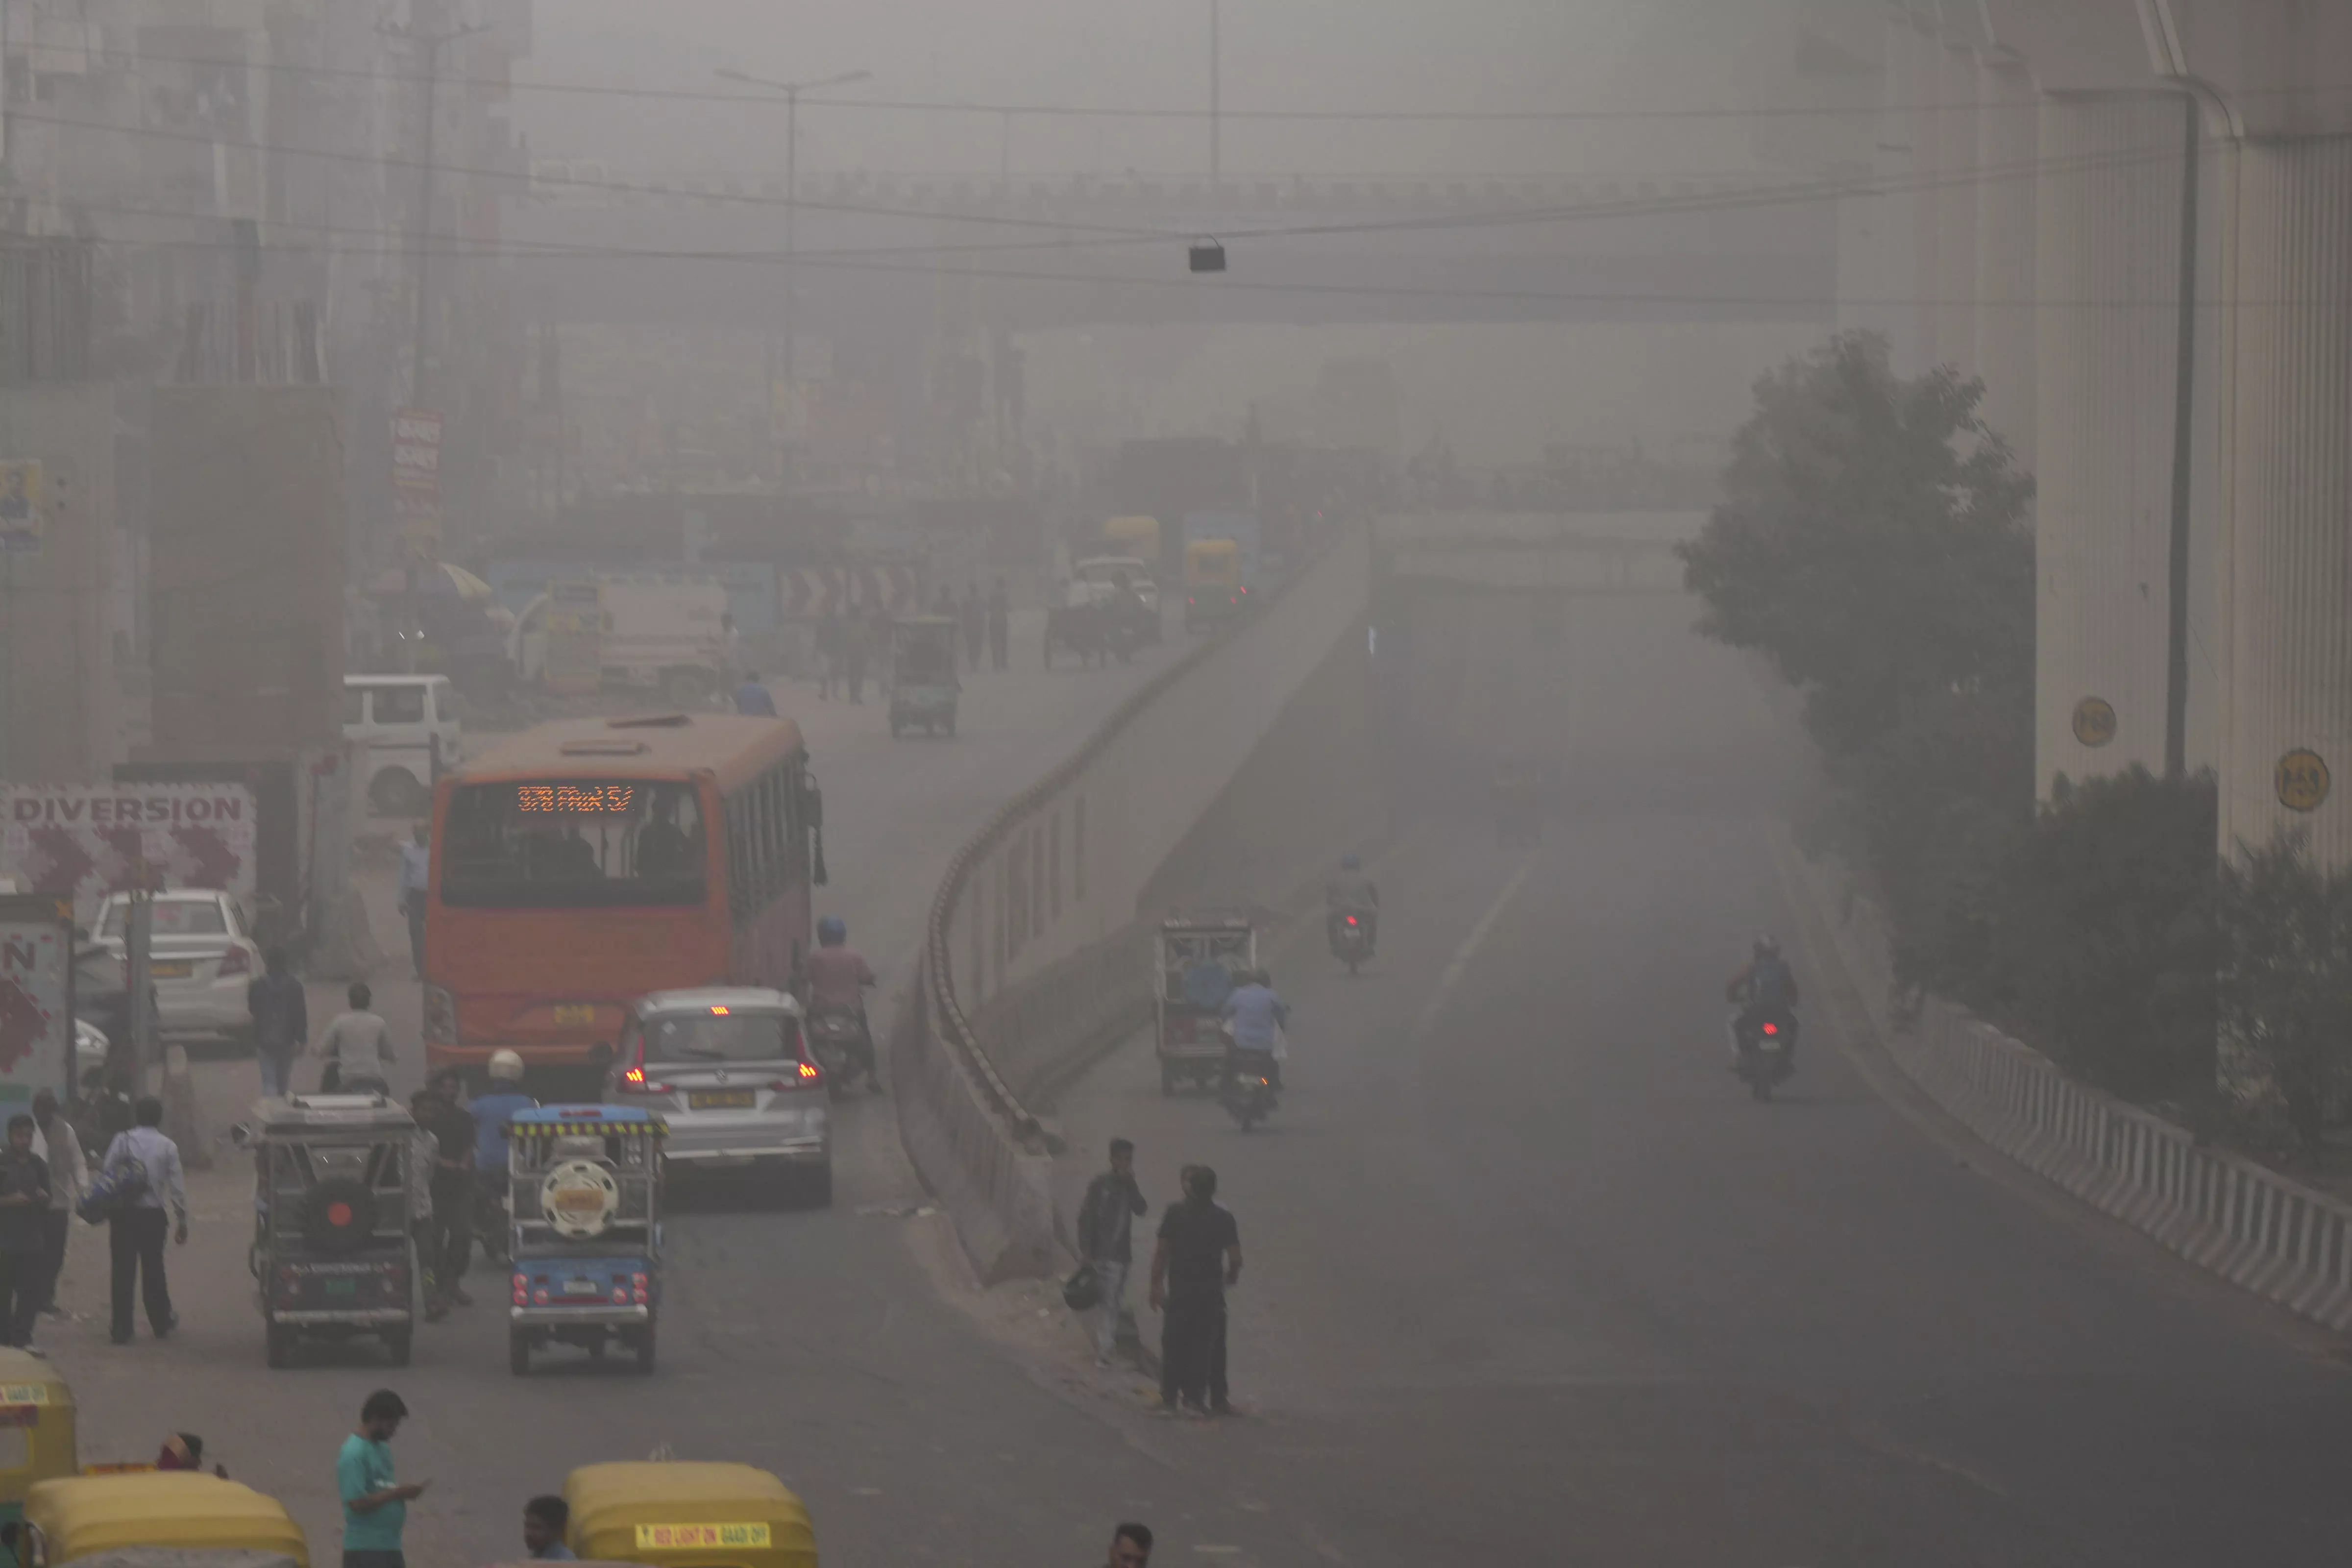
2227	1215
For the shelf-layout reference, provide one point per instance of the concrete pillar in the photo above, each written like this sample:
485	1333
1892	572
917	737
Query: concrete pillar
1924	137
2107	240
1958	192
2288	573
2008	132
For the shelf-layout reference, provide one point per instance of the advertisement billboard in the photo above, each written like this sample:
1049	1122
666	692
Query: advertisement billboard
36	999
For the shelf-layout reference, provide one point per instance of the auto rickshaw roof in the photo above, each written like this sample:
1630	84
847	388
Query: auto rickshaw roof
587	1119
313	1115
625	1495
81	1515
21	1370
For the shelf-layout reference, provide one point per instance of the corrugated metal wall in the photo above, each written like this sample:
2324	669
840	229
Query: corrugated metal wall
2107	242
2289	576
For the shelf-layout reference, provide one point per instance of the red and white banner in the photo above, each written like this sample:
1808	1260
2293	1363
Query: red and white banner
85	841
813	590
36	1033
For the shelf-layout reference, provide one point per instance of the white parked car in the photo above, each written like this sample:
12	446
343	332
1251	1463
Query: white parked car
203	958
396	723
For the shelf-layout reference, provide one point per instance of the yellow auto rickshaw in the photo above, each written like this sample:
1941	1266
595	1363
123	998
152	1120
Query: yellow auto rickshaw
185	1512
677	1514
37	1428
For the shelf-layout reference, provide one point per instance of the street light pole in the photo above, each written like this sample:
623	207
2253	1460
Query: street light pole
1217	96
792	91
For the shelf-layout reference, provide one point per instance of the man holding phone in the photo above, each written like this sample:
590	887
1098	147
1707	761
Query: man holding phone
375	1505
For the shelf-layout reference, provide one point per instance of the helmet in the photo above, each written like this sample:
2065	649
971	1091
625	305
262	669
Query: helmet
1768	946
832	932
506	1067
1352	862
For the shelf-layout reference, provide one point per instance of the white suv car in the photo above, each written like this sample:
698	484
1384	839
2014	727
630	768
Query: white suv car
398	723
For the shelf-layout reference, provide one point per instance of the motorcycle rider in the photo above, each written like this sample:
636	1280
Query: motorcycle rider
1764	987
492	1112
1351	891
837	979
1252	1014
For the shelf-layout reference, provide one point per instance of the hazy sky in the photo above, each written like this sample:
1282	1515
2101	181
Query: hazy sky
1291	54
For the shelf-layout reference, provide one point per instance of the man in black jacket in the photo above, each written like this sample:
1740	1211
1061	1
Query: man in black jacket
1106	1220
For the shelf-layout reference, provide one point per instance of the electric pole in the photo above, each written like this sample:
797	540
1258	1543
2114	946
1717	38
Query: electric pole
428	45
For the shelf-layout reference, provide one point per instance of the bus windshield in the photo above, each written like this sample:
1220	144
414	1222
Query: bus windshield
573	843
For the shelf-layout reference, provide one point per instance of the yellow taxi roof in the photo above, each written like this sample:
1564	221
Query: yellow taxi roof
85	1514
620	1497
24	1368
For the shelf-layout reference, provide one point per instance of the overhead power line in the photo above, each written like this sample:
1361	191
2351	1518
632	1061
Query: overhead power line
1116	112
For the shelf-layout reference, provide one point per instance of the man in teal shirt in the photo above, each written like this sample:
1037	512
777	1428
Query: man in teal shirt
375	1505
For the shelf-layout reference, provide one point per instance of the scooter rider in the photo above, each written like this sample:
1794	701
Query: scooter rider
1351	891
1764	987
1252	1014
837	979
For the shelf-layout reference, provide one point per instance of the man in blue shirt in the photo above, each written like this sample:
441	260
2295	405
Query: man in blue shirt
753	697
416	876
375	1505
1256	1013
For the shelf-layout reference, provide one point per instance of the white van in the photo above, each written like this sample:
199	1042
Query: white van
397	724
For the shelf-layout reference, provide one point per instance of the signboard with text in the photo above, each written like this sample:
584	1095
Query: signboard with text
82	842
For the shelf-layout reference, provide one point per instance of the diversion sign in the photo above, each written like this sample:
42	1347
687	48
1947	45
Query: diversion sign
84	841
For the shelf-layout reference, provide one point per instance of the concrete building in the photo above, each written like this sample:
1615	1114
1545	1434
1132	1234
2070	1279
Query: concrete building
2180	283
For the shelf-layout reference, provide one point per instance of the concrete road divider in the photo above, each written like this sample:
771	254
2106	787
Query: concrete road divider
2227	1215
1031	956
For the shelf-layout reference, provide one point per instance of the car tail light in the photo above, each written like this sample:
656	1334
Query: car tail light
810	1071
635	1082
620	1295
638	1284
235	961
540	1295
523	1291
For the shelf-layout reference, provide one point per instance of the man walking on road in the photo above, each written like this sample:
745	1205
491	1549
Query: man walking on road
59	1146
1198	1259
375	1505
999	626
450	1237
415	875
1106	1221
135	1235
24	1199
281	1023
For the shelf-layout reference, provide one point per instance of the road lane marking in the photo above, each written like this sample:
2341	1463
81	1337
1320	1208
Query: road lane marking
1471	943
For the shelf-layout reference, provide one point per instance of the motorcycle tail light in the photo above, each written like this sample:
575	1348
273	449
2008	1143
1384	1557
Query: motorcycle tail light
1351	920
1771	1028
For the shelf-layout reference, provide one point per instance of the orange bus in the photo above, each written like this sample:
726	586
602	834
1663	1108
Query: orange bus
586	862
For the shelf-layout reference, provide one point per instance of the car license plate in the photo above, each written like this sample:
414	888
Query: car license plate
342	1287
582	1287
721	1100
175	969
575	1013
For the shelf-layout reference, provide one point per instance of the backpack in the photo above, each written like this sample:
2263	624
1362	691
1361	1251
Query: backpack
116	1189
1767	985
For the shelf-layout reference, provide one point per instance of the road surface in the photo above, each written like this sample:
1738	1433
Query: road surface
1530	1279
